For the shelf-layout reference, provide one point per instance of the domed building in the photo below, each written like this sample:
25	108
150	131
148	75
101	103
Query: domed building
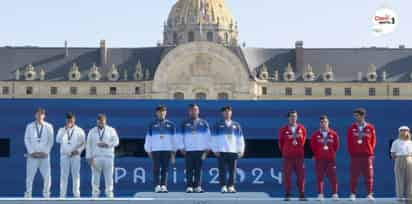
200	58
200	20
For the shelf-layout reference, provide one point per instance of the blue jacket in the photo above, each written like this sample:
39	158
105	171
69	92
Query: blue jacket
228	137
194	135
160	136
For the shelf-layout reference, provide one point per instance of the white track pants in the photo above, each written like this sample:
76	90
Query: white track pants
103	165
70	165
32	166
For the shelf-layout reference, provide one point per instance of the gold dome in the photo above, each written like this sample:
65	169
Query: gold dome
201	11
200	20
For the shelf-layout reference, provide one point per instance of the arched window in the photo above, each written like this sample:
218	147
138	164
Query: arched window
200	96
223	96
226	37
191	36
210	36
179	96
174	38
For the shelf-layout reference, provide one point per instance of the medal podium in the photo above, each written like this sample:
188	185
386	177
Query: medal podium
184	198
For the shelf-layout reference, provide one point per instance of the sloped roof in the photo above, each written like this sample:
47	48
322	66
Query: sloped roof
346	62
57	66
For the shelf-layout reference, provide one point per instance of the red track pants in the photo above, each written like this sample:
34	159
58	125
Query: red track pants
291	166
326	168
361	166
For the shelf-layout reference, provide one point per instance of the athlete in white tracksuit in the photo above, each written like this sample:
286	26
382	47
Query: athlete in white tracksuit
38	139
228	144
101	142
72	140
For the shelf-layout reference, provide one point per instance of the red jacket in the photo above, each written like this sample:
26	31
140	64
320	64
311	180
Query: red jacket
367	146
286	146
318	146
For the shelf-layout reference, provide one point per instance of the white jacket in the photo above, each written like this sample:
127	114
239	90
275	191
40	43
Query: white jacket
228	137
110	137
161	136
76	142
36	143
194	135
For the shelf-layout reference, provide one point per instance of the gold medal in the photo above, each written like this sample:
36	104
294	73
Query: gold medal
295	142
325	147
360	141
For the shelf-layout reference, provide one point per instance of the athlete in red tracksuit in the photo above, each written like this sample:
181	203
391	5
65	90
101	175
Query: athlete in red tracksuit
291	143
324	144
361	142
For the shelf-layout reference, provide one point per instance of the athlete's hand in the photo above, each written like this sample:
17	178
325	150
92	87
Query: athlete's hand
204	155
35	155
90	161
102	145
75	153
42	155
150	155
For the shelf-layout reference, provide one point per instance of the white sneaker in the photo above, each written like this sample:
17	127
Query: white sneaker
199	189
189	190
401	199
335	197
164	189
321	197
232	189
46	195
96	194
224	189
27	195
158	189
370	197
352	197
110	195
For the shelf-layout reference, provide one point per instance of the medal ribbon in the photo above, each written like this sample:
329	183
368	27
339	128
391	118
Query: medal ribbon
39	131
69	134
360	131
101	134
294	135
325	135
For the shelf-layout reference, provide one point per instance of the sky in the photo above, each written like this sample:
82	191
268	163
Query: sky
262	23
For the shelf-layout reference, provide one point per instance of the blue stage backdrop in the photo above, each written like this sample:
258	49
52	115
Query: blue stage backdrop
260	121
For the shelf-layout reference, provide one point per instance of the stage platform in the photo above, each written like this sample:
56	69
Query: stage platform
183	198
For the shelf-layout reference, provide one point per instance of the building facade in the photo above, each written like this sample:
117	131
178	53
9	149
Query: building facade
200	58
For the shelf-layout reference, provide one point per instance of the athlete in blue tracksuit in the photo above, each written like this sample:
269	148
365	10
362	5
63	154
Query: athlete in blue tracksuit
228	145
160	145
194	143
